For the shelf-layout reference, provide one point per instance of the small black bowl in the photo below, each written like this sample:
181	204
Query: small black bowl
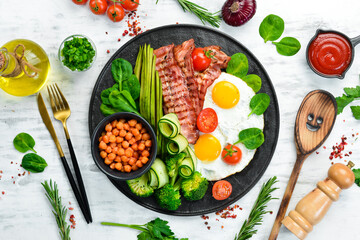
115	174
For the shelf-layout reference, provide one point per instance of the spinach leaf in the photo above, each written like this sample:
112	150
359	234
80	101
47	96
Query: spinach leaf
271	27
107	110
33	163
342	102
288	46
23	142
253	81
252	138
357	176
120	101
238	65
356	112
132	85
121	70
105	93
259	103
128	97
353	92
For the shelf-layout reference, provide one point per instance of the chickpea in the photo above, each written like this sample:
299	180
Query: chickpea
107	161
121	152
129	152
108	127
138	126
108	149
139	164
145	136
119	139
105	139
100	138
126	126
143	130
134	167
112	165
103	154
103	134
132	141
132	122
134	146
125	144
112	138
136	154
117	159
127	168
111	156
120	126
122	120
112	145
102	145
124	159
113	123
128	136
132	161
115	131
144	160
108	134
118	166
141	146
122	133
138	137
135	131
148	143
145	153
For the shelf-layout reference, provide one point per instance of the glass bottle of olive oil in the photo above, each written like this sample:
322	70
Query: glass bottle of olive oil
24	67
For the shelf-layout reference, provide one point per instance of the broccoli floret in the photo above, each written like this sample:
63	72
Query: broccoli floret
172	166
168	197
140	186
194	188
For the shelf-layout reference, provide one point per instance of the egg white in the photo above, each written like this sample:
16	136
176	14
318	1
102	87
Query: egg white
231	122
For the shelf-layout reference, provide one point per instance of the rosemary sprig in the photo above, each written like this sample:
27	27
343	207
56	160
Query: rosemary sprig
59	210
202	13
258	210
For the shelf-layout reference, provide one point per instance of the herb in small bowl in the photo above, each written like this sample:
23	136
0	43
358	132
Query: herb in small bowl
77	53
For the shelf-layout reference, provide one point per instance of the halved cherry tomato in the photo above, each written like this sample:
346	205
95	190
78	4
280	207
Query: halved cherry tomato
231	154
115	13
130	5
200	60
207	120
79	2
98	7
222	190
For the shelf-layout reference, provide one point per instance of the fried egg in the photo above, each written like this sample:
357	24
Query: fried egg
230	97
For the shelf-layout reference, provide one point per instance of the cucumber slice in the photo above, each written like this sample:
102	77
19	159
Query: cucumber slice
169	125
190	153
177	144
160	173
186	168
153	180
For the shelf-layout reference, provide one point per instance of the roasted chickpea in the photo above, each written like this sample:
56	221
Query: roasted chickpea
145	153
112	165
105	139
113	144
121	152
132	141
117	159
118	166
148	143
129	152
103	154
134	167
112	138
138	137
111	156
108	149
108	127
125	144
127	168
122	133
119	139
145	136
126	126
128	136
132	161
107	161
120	125
138	126
115	131
113	123
102	145
141	146
124	159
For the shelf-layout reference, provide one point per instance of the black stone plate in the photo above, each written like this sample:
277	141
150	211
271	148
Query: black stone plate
242	182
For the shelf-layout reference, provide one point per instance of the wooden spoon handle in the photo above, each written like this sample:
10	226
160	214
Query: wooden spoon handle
287	196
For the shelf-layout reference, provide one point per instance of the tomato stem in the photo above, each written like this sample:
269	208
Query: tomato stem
229	152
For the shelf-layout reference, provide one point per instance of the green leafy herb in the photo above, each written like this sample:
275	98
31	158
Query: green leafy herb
357	176
258	211
78	54
288	46
106	93
271	28
154	230
342	102
238	65
23	142
252	138
259	103
353	92
356	112
121	71
33	163
107	110
122	101
59	210
253	81
132	85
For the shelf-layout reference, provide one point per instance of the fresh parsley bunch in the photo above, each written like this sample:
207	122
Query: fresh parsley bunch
350	95
157	229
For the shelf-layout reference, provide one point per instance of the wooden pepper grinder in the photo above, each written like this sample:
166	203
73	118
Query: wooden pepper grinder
313	207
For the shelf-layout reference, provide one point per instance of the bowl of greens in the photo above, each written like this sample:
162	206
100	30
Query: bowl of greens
77	53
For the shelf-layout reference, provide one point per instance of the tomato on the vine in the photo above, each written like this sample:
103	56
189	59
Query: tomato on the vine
222	190
130	5
98	7
79	2
207	120
231	154
115	13
201	59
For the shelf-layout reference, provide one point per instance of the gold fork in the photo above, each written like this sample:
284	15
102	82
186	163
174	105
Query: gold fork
61	110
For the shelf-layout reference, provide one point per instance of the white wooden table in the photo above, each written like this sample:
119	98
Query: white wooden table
24	210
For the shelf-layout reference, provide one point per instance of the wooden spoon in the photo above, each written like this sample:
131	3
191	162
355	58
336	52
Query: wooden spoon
314	122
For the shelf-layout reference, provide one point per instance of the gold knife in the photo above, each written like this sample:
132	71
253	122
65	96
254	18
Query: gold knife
46	119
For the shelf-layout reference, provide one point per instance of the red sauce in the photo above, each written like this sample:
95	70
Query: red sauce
330	54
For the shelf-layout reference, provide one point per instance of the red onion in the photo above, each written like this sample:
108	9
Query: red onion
238	12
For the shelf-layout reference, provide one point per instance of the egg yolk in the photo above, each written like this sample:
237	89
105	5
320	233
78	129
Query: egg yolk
225	94
207	148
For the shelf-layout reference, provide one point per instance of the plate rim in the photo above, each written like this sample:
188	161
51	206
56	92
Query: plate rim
277	112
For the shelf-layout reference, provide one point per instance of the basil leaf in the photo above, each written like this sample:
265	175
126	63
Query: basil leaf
33	163
252	138
356	112
23	142
357	176
132	85
105	93
253	81
342	102
271	28
121	70
353	92
238	65
288	46
259	103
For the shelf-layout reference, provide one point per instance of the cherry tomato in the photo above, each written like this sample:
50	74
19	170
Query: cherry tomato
221	190
231	154
130	5
115	13
79	2
98	7
200	60
207	120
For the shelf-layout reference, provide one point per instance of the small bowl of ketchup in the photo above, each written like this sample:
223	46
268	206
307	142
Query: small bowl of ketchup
330	53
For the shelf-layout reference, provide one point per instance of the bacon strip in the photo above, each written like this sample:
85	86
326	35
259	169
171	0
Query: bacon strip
204	79
175	92
183	58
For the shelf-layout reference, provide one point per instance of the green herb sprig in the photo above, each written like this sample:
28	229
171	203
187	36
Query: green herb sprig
154	230
59	210
78	54
258	210
350	95
202	13
357	176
